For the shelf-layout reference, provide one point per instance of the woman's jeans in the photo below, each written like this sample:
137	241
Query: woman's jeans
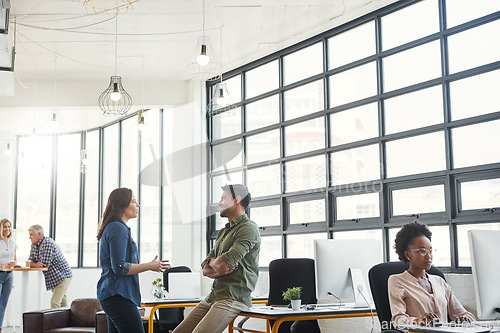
123	315
6	281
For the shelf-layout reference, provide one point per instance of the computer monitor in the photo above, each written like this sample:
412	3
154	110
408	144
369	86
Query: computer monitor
184	285
484	251
342	269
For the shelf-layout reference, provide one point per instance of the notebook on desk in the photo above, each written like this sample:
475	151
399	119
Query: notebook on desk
184	285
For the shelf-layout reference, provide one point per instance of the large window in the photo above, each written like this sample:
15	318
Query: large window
376	123
63	183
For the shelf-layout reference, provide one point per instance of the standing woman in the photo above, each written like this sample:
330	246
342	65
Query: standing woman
415	296
7	260
118	288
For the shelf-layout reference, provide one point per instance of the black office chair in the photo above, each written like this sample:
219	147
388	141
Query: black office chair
168	319
293	272
378	276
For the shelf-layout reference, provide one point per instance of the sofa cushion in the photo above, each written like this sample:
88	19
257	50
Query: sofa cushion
82	313
72	330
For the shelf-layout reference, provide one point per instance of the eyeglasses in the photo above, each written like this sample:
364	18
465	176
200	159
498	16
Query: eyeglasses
422	251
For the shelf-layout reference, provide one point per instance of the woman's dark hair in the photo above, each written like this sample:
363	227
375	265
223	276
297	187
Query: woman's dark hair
118	201
407	234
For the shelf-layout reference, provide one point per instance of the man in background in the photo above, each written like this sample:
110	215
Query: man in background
233	263
46	253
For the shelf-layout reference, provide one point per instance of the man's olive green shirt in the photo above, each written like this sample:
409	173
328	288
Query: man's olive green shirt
238	245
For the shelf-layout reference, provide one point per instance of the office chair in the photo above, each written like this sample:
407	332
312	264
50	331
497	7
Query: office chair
168	319
378	276
293	272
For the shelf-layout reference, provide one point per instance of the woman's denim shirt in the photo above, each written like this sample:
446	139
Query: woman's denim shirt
118	252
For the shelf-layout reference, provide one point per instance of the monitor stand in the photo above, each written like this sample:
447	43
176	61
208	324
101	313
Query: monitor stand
358	287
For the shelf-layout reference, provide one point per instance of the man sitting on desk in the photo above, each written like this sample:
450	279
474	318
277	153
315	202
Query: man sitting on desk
233	264
46	253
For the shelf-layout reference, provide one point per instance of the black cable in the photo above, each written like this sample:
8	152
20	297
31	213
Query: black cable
340	301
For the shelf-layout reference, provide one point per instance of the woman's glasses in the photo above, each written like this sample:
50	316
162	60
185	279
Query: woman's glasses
422	251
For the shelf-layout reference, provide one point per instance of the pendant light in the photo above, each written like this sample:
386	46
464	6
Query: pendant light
204	64
53	122
8	150
115	101
220	101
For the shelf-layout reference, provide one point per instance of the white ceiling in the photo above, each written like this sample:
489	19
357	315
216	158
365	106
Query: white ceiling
62	41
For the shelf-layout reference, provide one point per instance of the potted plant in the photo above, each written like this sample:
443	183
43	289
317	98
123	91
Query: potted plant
293	295
158	288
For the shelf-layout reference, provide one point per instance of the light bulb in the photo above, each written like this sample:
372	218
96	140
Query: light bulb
115	95
203	59
83	157
141	125
221	100
53	122
7	150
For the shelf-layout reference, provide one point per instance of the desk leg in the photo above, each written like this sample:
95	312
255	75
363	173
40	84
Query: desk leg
277	324
41	286
231	326
24	295
151	318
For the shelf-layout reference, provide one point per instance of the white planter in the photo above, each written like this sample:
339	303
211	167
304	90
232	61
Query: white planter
158	292
295	304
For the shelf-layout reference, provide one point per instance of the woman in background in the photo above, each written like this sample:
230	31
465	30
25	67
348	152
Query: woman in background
415	297
7	260
118	288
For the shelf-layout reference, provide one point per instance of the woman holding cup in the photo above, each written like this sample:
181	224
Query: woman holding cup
7	260
118	288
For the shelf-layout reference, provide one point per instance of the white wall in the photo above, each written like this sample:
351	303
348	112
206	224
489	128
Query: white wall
7	176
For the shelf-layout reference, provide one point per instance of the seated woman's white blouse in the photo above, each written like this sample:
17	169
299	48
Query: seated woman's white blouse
410	301
7	252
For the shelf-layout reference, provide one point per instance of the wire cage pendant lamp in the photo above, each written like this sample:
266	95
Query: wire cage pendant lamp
204	64
221	102
115	101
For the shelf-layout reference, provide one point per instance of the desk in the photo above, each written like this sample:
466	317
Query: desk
179	303
281	315
24	287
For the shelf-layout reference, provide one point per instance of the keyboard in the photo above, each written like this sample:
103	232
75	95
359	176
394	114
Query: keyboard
486	326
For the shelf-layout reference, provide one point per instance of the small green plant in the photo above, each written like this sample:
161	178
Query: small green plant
158	282
292	293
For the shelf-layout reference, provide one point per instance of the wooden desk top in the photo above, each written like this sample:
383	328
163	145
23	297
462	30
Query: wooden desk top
24	269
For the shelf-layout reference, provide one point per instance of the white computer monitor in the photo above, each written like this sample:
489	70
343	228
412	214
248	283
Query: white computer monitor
342	267
184	285
484	250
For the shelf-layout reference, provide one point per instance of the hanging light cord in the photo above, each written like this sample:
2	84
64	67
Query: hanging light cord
221	53
203	18
55	79
116	39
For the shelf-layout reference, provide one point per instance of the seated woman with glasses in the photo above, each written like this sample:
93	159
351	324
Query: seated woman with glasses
415	297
